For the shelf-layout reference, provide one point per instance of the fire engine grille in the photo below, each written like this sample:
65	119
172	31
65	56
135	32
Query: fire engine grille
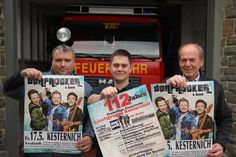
95	81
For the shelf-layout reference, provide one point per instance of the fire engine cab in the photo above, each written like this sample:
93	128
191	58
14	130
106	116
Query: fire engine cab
97	31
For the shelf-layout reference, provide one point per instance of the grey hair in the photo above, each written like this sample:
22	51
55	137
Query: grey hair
198	47
63	48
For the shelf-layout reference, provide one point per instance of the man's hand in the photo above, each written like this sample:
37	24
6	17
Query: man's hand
108	92
216	151
177	81
31	73
105	93
85	144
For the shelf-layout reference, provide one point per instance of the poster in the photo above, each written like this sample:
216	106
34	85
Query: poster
53	113
126	125
186	117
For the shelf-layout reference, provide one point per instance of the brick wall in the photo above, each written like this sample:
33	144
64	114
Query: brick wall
228	64
2	77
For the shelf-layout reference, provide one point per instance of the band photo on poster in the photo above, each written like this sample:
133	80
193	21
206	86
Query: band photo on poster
186	116
53	113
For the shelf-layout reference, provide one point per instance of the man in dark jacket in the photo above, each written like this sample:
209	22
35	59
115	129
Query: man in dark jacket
63	63
191	59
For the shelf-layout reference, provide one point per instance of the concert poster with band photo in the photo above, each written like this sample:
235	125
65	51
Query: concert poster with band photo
186	116
53	113
126	125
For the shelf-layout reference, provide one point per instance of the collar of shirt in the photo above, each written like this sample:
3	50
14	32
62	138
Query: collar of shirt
129	86
196	79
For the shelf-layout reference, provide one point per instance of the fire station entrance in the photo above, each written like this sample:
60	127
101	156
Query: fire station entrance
180	22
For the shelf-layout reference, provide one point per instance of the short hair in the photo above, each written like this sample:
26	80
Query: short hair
175	100
63	48
201	101
121	52
159	99
198	47
72	93
56	92
183	99
32	91
48	93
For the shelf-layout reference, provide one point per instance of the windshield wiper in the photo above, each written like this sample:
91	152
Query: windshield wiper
87	55
107	56
144	57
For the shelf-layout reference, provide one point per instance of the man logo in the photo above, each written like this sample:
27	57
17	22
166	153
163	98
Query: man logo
105	81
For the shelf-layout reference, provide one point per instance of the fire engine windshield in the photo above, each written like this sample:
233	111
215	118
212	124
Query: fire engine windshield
100	39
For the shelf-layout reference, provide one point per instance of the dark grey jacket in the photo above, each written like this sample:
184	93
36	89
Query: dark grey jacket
222	114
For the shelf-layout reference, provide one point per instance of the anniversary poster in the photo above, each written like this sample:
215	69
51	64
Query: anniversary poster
126	125
186	117
53	113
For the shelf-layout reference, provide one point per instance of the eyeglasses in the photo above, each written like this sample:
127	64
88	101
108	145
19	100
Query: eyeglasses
123	66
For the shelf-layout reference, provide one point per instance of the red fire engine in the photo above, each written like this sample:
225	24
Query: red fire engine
98	31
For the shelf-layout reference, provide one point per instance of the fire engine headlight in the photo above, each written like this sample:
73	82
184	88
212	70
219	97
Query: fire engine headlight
63	34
